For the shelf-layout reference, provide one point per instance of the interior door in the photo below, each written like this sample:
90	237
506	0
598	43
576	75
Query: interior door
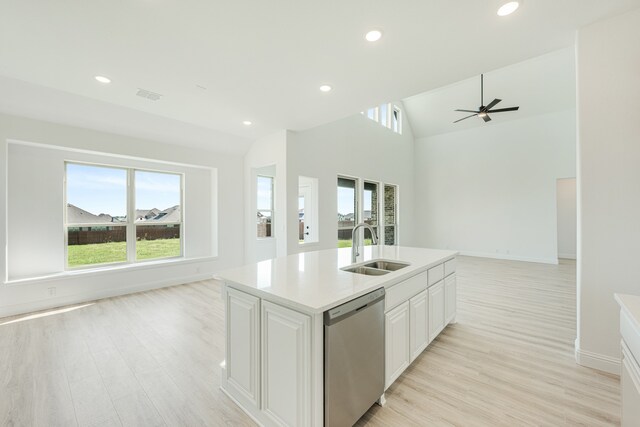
306	233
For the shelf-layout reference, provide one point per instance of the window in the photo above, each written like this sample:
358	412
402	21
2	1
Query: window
384	117
390	214
388	115
396	120
265	206
101	224
372	113
370	210
347	210
379	210
158	216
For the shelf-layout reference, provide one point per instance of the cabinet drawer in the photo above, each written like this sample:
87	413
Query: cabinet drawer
436	274
450	267
401	292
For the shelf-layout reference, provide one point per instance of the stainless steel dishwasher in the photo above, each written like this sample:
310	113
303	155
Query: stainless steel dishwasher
353	358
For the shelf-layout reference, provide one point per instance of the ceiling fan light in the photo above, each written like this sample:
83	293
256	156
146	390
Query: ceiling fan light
508	8
483	114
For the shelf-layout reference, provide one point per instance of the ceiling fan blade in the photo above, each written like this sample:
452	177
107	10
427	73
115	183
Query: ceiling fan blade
465	118
486	118
502	110
468	111
492	103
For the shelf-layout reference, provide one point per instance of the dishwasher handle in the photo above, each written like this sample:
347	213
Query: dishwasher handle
352	307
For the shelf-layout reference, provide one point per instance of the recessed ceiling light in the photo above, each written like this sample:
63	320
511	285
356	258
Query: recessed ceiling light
247	123
508	8
103	79
373	35
325	88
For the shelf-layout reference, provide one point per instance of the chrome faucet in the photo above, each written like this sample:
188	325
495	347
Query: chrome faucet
354	238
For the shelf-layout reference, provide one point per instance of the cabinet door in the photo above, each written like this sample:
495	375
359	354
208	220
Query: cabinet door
243	340
286	365
397	352
450	295
436	310
419	331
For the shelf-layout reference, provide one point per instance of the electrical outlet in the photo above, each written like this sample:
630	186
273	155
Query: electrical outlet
198	269
52	292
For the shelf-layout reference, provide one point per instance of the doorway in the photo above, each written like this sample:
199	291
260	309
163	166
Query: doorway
567	217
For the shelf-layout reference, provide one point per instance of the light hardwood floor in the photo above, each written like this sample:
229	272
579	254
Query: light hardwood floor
152	359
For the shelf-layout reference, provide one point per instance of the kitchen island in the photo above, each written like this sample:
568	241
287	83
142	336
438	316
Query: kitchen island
274	323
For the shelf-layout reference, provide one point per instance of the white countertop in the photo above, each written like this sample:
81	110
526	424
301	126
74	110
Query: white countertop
313	281
630	304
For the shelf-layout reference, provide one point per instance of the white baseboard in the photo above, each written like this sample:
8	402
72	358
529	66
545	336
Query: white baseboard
509	257
29	307
567	256
597	361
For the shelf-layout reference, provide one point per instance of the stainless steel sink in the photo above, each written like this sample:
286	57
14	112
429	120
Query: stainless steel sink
366	270
387	265
376	268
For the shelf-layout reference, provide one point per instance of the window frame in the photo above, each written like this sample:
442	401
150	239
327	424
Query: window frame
272	202
396	209
389	112
381	221
378	205
130	225
397	128
357	202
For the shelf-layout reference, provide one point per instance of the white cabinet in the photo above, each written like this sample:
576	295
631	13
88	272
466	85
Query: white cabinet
450	295
243	344
286	365
436	309
419	323
630	369
630	389
418	309
436	274
397	339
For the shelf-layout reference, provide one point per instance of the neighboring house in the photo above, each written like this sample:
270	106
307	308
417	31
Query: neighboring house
345	217
145	214
171	214
76	215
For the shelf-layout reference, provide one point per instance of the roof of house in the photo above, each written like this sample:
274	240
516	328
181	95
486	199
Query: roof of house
76	215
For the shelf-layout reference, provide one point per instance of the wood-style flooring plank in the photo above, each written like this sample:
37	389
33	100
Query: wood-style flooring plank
152	359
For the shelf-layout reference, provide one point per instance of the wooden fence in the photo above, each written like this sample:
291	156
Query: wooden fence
92	235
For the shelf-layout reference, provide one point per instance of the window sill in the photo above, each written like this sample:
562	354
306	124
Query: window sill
98	271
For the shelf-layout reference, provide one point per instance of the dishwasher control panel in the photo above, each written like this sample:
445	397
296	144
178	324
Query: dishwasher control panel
353	306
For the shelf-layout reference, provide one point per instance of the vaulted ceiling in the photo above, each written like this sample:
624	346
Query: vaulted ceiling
541	85
218	63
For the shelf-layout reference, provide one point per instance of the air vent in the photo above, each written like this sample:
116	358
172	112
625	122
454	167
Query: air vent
148	94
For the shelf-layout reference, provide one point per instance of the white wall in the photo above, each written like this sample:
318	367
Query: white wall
608	62
46	186
491	191
354	146
35	208
270	153
567	218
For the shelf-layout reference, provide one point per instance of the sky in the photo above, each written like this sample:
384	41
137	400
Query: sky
104	190
264	192
345	200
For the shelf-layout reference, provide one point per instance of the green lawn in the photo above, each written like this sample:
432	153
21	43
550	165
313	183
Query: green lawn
101	253
347	243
